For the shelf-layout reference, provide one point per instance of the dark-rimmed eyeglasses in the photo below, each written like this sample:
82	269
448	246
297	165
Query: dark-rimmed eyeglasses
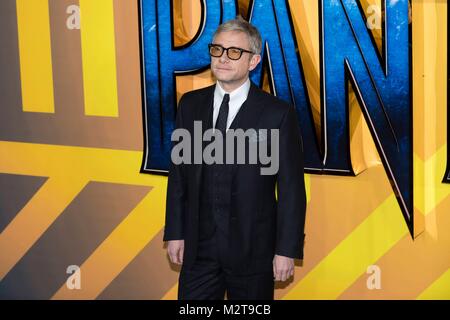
234	53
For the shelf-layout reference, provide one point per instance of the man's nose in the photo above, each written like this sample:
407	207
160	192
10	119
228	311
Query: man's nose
224	58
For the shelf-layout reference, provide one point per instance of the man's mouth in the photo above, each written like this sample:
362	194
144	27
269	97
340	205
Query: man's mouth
222	69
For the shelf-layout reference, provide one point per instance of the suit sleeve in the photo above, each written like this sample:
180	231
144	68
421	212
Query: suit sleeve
176	192
291	205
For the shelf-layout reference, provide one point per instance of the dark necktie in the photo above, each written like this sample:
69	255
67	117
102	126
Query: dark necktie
221	122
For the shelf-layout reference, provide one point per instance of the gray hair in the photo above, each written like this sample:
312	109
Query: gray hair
239	24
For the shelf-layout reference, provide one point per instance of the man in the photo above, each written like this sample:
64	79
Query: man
223	222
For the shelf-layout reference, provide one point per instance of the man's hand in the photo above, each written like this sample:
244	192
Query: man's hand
283	268
175	249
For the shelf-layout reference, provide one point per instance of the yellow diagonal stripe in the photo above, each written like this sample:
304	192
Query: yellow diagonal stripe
35	218
99	58
69	169
362	247
172	294
91	164
121	246
35	53
438	290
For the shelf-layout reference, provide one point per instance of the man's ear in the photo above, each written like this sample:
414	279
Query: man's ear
255	59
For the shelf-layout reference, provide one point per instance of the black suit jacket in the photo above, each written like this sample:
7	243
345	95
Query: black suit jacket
260	224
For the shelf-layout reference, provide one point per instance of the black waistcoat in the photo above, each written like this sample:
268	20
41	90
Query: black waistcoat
215	195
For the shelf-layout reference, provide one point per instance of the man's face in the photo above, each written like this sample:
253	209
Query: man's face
232	73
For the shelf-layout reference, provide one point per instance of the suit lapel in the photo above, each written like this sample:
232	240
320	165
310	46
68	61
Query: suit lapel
205	109
248	116
204	113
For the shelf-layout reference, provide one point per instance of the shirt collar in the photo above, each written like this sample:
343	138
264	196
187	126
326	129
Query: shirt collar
236	94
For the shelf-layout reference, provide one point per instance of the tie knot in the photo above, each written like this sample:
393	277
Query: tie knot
226	98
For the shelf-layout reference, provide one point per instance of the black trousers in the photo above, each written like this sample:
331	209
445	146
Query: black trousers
211	276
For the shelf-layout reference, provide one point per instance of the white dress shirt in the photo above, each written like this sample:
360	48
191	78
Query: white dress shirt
237	98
